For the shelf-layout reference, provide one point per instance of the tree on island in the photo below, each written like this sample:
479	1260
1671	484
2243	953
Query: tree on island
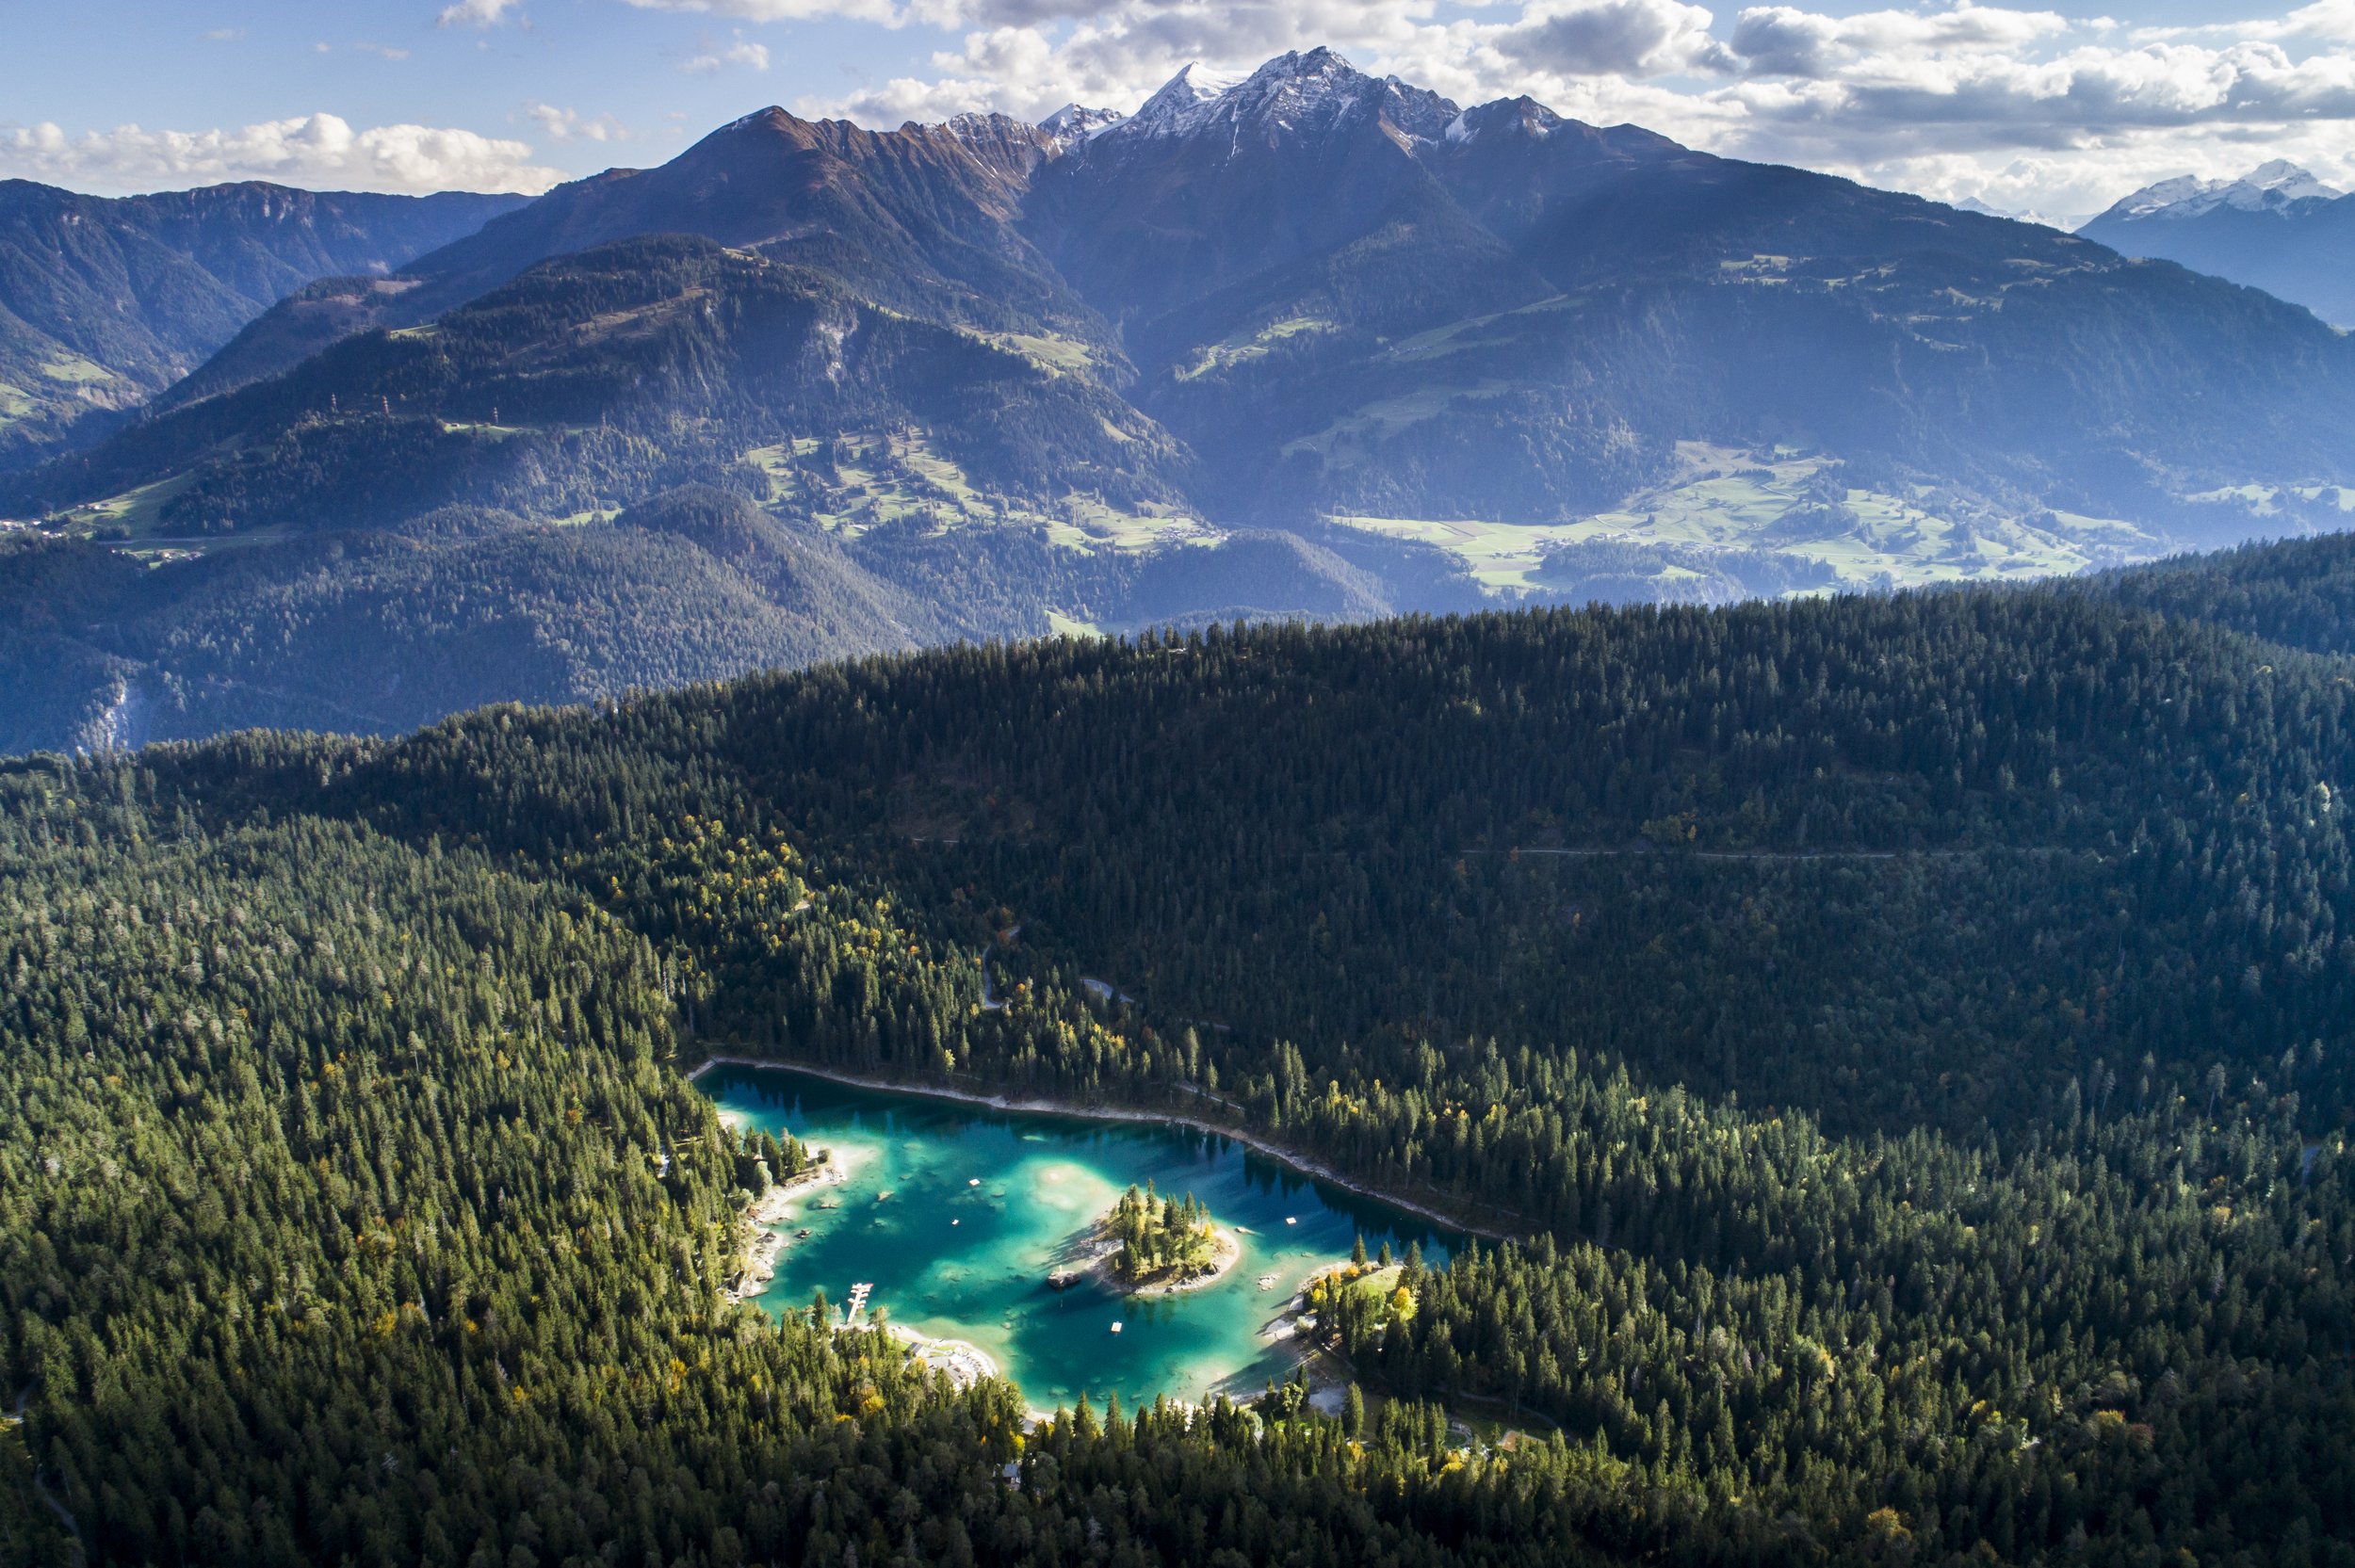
1159	1235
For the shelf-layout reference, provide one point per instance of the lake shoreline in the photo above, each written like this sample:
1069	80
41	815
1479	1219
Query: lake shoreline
965	1364
756	1258
1314	1170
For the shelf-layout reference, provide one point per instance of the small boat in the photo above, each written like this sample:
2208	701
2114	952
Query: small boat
975	1181
956	1222
1117	1328
1289	1220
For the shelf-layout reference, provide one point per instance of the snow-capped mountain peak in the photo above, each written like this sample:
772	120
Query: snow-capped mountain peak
2268	187
1074	123
1293	94
2286	180
1186	102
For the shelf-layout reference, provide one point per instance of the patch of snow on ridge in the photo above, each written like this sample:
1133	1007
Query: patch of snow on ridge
1523	114
1185	104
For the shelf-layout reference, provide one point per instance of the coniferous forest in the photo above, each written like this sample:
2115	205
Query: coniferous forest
1899	1052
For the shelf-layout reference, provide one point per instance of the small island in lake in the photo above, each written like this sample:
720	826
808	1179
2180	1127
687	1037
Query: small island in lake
1168	1244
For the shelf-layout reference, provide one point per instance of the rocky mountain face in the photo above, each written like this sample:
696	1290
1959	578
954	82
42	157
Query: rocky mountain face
2276	228
104	302
1099	371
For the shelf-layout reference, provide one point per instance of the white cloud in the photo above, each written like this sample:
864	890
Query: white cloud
1785	41
321	151
478	13
1611	37
382	51
571	125
752	55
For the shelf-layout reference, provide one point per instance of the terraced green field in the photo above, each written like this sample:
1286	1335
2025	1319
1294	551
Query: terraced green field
1725	500
1249	345
140	510
890	476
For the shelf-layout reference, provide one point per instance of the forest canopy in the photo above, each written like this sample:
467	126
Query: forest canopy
1904	1043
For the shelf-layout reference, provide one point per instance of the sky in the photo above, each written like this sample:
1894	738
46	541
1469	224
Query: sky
2051	112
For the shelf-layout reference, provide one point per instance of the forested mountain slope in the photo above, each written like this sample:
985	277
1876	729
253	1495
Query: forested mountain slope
376	631
104	302
1906	1038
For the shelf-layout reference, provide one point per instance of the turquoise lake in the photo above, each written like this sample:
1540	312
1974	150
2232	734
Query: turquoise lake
956	1213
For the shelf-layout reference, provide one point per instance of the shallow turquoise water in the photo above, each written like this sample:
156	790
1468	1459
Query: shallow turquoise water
981	1204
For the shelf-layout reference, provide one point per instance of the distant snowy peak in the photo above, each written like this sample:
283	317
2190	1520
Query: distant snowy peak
1073	124
1523	116
1294	95
2269	187
2284	180
2018	214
